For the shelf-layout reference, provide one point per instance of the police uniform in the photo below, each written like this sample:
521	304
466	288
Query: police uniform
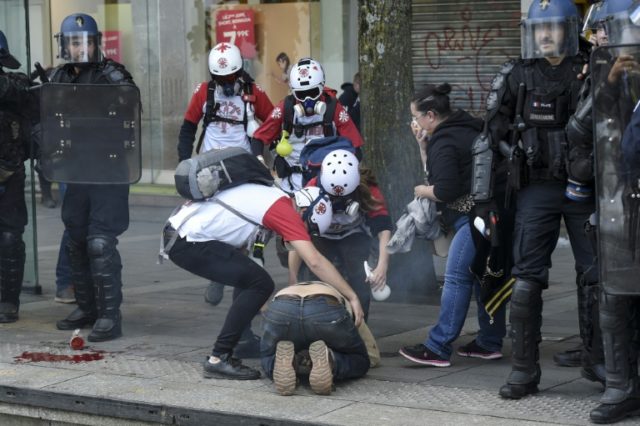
550	96
16	113
94	216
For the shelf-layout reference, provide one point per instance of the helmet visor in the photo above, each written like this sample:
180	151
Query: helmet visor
302	95
78	47
549	39
621	28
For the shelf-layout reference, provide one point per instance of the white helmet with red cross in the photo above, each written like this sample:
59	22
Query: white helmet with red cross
225	59
306	79
339	174
319	211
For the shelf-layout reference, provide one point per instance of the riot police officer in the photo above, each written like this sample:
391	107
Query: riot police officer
532	100
94	215
15	125
616	117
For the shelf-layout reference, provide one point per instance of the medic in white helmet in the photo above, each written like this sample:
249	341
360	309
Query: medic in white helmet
228	105
359	212
311	111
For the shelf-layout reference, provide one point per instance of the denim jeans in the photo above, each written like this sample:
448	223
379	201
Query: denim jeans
459	283
306	320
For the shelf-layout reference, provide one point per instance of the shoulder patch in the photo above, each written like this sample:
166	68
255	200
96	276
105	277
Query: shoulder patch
276	113
343	117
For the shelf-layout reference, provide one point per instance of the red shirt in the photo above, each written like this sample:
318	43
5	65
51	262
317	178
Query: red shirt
283	219
195	110
272	127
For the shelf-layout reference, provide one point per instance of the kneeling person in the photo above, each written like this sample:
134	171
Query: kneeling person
210	237
314	316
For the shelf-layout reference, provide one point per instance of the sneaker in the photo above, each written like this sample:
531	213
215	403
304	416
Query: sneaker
214	293
230	368
284	373
422	355
65	295
473	350
321	375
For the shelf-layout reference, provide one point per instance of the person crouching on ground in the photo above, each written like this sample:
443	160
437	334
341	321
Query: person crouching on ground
314	317
211	235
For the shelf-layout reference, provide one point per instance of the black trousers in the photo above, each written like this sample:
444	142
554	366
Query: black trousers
95	210
350	253
13	209
541	206
220	262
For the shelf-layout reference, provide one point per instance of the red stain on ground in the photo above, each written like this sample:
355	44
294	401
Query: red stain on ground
49	357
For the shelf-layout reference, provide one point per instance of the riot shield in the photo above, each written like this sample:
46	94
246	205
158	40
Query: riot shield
615	72
90	133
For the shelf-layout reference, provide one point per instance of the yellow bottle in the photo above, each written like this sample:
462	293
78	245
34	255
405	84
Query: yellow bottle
284	148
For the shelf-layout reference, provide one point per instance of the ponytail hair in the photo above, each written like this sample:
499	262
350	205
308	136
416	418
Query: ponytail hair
434	98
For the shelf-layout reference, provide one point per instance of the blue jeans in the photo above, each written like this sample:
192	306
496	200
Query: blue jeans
459	283
306	320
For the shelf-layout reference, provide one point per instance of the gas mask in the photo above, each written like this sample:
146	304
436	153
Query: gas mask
309	102
228	83
310	107
348	205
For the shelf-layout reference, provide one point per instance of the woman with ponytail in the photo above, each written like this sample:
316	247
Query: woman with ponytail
450	137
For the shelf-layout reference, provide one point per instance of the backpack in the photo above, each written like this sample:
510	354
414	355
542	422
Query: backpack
316	149
299	129
202	176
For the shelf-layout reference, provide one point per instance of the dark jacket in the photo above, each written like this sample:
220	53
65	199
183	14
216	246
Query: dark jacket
350	100
449	159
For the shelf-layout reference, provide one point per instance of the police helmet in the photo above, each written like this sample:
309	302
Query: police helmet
6	59
622	21
79	39
551	29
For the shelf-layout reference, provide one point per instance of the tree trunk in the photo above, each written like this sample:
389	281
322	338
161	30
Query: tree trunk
390	149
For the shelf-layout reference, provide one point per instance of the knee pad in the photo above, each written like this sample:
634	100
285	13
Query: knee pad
9	239
99	246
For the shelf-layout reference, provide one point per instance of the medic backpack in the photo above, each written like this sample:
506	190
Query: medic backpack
314	152
201	176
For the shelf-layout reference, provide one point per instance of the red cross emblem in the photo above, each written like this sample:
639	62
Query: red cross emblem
321	208
222	62
304	72
223	47
338	190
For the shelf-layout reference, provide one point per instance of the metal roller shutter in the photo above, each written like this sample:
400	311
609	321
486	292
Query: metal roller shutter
464	43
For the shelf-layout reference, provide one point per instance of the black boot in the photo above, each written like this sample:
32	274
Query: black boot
569	358
526	320
12	256
85	314
106	268
611	413
593	368
621	397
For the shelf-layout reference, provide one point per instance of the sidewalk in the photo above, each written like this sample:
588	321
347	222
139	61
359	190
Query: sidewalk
153	374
